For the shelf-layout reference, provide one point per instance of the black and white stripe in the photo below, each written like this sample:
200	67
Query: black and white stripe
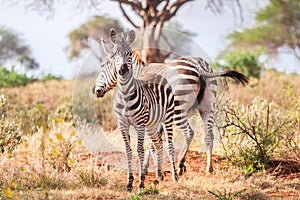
193	82
145	104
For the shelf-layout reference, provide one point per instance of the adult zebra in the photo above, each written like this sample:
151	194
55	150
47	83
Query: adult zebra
144	104
193	82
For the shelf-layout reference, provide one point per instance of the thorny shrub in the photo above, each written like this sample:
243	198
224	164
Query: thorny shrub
253	135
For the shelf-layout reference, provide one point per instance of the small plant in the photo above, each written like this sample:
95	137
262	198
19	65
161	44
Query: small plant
58	146
90	178
226	195
147	191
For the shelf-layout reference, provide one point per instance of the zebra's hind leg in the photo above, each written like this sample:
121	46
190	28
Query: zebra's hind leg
188	134
156	144
208	120
170	149
147	153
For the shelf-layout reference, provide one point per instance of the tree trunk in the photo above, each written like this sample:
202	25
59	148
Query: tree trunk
151	52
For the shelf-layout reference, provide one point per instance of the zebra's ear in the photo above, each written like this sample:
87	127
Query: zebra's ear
131	36
113	36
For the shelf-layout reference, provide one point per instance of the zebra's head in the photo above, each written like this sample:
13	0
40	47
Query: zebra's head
120	55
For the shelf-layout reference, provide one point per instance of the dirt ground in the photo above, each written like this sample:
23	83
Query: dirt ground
196	163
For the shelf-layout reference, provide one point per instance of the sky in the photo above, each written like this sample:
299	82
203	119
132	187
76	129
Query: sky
47	37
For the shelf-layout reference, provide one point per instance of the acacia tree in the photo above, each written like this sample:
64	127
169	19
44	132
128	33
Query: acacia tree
83	37
278	25
149	16
13	48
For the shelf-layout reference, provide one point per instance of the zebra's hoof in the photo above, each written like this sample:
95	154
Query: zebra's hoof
146	170
155	182
129	188
209	169
175	178
141	186
181	169
161	176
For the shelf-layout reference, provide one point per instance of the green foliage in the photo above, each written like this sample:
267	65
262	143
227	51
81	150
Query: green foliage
12	47
147	191
97	27
253	135
244	61
56	148
226	195
277	26
49	76
13	79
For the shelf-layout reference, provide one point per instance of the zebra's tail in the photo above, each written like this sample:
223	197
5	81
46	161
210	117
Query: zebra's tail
235	75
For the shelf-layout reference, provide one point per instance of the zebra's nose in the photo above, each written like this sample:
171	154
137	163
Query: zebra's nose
99	93
123	69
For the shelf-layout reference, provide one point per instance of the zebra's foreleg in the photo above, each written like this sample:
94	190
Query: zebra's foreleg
208	120
126	138
140	151
188	134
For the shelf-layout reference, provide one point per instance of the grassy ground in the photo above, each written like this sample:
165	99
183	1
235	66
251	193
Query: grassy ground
53	163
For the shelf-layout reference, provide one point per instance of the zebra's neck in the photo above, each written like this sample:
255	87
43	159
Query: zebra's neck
127	85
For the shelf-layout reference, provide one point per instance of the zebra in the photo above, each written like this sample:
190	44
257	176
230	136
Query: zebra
193	82
144	104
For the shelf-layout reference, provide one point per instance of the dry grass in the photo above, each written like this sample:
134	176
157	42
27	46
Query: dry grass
269	87
34	169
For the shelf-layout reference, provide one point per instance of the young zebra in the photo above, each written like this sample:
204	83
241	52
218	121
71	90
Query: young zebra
193	82
144	104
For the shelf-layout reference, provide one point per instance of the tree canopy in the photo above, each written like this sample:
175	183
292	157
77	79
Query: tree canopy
94	29
13	48
149	15
278	25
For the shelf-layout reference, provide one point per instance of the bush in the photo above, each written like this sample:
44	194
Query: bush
10	135
57	146
243	61
12	78
253	135
49	76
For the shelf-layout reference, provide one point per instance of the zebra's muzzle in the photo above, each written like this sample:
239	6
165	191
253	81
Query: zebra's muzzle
98	92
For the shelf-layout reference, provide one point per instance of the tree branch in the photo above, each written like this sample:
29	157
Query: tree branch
173	8
135	5
127	17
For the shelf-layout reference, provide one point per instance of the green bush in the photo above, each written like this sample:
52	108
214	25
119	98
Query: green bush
244	61
12	78
253	135
49	76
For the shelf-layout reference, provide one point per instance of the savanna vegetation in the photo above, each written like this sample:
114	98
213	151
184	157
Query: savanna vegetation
257	145
256	156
